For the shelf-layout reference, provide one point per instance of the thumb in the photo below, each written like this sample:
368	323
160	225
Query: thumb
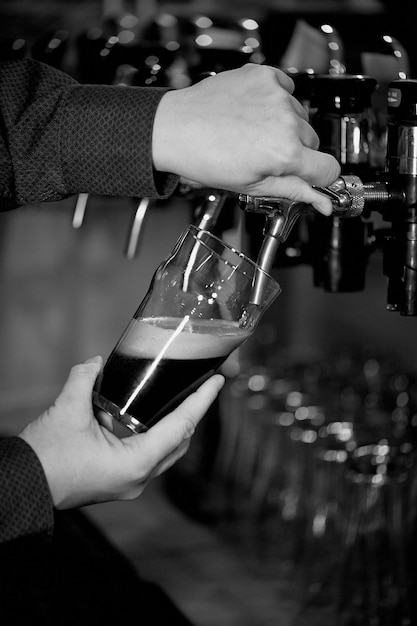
296	189
80	382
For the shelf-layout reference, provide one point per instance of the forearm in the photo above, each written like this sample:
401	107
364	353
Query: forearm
59	138
26	510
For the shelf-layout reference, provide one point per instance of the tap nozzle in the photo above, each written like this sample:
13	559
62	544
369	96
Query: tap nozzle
281	215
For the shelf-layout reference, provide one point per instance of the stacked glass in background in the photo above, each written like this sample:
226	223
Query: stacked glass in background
315	482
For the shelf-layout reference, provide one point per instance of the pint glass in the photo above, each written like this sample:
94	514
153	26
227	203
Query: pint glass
197	310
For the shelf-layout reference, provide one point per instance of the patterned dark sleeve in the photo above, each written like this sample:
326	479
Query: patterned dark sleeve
26	509
59	138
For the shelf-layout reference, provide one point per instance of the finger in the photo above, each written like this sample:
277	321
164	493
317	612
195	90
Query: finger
283	79
104	419
171	459
318	168
95	359
313	166
80	382
308	136
297	190
299	108
170	433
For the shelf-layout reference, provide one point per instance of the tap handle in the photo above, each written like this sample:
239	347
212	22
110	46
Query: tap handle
136	228
347	194
79	210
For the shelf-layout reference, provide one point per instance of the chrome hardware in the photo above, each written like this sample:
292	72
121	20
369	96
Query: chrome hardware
136	228
79	211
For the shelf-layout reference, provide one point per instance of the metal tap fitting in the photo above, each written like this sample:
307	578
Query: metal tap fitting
348	195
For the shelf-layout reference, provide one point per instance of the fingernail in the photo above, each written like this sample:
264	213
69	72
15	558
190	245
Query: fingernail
323	209
94	359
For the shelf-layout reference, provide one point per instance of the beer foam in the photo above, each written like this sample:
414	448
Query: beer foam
148	337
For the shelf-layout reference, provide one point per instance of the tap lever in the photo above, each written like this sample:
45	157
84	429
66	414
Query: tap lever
347	194
136	228
79	211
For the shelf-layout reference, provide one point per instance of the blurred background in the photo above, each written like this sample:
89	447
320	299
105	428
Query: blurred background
301	481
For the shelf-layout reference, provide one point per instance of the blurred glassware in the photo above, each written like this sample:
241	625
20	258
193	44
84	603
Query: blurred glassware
375	586
320	570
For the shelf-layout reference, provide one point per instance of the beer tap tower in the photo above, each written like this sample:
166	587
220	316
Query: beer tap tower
393	195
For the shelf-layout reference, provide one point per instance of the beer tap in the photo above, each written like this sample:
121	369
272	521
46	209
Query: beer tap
281	215
136	228
207	213
394	196
338	250
79	210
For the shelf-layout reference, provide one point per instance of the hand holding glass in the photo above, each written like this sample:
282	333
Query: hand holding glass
197	310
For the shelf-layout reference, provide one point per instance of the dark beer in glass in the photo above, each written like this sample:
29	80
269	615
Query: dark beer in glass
196	312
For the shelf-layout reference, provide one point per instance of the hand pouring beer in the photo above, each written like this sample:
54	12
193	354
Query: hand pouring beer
198	309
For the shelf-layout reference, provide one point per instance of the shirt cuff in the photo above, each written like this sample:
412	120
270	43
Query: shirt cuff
106	142
26	508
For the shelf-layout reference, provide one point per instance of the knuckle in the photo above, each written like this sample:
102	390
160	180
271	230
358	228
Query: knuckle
293	152
262	72
188	427
133	492
267	73
287	151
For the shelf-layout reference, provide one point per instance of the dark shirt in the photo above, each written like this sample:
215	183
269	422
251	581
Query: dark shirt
26	510
59	138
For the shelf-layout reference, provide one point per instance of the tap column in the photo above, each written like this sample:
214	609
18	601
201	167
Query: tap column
400	251
342	117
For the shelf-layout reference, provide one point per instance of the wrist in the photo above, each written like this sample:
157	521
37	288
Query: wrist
161	134
165	137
